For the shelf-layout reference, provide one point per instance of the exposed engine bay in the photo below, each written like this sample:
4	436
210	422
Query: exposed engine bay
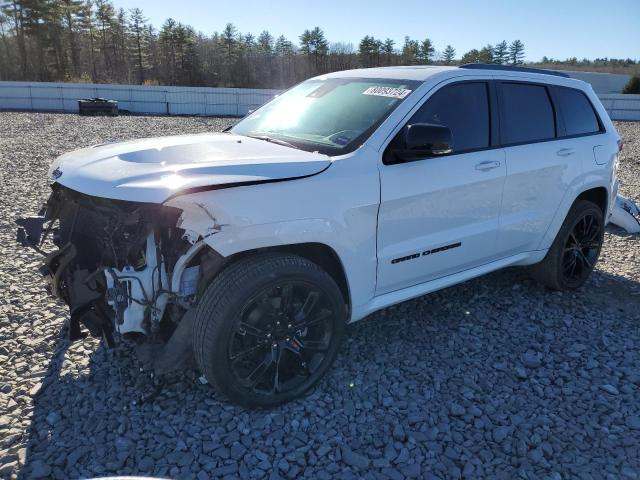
120	266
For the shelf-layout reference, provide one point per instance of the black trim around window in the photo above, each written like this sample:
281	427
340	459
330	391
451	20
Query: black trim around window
553	90
503	143
496	118
560	128
494	122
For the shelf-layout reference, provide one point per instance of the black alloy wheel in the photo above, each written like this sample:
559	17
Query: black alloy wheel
281	337
575	250
582	248
268	328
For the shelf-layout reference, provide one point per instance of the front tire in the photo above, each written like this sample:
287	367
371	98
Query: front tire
268	328
575	250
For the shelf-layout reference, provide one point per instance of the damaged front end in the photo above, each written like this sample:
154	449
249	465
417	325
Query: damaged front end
120	266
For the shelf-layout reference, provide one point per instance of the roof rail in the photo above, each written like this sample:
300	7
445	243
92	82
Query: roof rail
509	68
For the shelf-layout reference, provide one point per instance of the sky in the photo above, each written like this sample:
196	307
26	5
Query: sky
555	28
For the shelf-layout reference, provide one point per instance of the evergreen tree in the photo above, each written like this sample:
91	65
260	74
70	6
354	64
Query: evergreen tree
283	47
13	9
71	13
472	56
104	17
139	42
448	55
486	54
265	42
229	38
516	53
427	51
369	51
89	40
87	27
501	53
314	44
410	51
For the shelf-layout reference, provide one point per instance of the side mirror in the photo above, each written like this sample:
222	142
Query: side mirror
421	140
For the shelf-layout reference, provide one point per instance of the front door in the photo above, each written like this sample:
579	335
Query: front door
440	215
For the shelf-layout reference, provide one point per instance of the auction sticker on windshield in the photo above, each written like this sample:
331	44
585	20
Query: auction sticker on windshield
387	92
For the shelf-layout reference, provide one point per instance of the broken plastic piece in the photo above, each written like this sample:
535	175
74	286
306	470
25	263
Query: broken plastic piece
626	214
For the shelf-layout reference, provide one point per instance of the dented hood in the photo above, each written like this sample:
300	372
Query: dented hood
154	169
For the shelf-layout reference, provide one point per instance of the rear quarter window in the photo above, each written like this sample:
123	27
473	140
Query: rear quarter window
527	114
576	110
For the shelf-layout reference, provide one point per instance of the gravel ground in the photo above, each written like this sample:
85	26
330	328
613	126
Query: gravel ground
492	378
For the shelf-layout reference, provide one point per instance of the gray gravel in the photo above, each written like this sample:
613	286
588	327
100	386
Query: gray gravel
493	378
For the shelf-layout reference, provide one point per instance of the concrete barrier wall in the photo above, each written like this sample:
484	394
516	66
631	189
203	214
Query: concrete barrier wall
63	97
601	82
621	107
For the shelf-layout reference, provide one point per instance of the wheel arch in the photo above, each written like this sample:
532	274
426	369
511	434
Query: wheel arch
319	253
596	193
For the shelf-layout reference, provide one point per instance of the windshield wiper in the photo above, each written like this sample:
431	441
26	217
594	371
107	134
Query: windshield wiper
267	138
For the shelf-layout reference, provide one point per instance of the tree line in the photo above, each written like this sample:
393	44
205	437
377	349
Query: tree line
92	41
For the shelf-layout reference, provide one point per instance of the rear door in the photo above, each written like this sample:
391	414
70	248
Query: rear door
540	166
579	126
440	215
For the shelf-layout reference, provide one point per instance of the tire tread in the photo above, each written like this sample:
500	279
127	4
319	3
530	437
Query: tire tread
219	295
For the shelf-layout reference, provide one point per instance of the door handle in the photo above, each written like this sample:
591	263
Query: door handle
484	166
565	152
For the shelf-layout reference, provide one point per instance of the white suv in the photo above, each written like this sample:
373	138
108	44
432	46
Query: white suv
250	250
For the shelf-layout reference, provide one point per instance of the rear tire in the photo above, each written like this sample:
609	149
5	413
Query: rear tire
268	328
575	250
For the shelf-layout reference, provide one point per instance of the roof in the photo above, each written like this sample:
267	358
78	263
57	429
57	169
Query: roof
417	72
422	73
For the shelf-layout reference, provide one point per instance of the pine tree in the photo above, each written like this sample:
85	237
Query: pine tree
486	54
472	56
229	38
86	27
105	19
410	51
369	51
265	42
71	13
5	55
516	53
168	51
313	44
427	51
13	9
139	44
501	53
388	50
448	55
283	47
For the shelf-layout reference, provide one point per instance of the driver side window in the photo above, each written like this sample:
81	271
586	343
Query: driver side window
464	109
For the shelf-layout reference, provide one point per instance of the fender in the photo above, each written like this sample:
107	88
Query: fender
231	240
563	210
337	214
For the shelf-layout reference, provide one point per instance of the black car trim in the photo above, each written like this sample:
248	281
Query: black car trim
222	186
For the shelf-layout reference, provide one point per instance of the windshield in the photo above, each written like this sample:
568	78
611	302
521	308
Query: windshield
333	116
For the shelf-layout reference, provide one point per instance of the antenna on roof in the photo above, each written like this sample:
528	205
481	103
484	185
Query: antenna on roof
509	68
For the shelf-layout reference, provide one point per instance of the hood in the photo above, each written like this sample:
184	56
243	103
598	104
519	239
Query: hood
154	169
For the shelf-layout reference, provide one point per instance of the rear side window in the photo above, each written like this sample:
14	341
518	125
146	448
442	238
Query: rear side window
527	113
464	108
576	110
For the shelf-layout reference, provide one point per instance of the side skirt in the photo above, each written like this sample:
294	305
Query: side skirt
386	300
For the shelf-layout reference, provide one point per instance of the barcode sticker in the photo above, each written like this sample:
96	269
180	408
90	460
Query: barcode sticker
390	92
